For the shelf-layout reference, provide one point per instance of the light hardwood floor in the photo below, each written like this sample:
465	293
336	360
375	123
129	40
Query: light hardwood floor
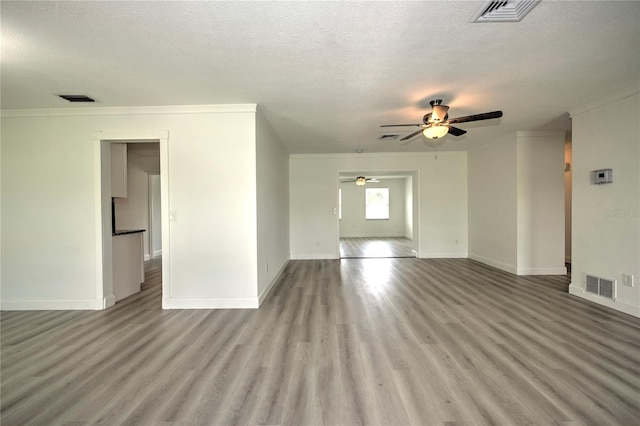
359	341
375	247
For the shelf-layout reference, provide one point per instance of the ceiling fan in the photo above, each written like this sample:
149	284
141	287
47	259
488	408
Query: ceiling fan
361	180
437	123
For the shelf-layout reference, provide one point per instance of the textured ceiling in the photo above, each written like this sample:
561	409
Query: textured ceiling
326	75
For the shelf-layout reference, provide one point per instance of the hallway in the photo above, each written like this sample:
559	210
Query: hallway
372	247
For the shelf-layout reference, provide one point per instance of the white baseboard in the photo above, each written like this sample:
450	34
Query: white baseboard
391	235
495	263
321	256
157	253
263	296
230	303
105	302
147	257
620	305
442	255
109	301
543	271
48	305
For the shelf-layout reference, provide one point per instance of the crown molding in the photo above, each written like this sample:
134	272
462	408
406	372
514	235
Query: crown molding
613	97
541	133
381	155
143	110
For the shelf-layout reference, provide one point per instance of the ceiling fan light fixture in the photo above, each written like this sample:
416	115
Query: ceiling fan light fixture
439	113
435	132
361	180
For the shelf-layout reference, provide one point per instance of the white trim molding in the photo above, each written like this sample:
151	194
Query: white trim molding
621	305
318	256
383	155
543	271
223	303
494	263
450	255
105	302
48	305
613	97
144	110
265	293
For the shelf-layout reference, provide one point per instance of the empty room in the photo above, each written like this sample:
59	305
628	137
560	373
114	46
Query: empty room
306	213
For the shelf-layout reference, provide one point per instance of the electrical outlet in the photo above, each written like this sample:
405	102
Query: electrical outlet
627	279
266	267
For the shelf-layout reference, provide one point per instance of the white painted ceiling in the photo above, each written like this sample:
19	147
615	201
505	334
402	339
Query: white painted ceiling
326	75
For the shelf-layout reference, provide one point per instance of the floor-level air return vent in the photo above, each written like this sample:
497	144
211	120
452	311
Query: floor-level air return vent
601	286
504	10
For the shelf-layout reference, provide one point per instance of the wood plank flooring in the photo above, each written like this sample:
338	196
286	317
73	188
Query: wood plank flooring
375	247
359	341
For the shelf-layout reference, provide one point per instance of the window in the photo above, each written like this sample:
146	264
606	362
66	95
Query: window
377	203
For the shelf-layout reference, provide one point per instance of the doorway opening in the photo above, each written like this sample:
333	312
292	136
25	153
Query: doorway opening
377	217
567	202
134	217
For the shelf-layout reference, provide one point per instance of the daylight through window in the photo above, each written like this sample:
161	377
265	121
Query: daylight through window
377	203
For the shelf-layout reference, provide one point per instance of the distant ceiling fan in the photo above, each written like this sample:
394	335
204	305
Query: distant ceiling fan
361	180
437	123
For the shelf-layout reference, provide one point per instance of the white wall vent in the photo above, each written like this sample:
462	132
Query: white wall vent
504	10
601	286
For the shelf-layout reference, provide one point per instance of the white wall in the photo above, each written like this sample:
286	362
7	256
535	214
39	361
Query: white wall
354	224
540	221
408	207
48	223
493	204
606	218
133	212
516	203
51	193
440	195
272	165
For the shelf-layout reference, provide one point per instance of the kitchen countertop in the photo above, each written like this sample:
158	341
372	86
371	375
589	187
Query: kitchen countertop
127	231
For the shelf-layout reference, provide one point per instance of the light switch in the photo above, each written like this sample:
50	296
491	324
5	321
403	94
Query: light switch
627	279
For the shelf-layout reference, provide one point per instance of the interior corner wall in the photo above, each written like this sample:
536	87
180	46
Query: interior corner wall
493	204
540	195
272	172
606	218
441	193
49	228
354	224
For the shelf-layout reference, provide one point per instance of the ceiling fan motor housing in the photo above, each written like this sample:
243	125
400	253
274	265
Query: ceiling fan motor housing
439	113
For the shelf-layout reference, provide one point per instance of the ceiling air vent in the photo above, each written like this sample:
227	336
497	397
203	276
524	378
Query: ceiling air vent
77	98
504	11
388	137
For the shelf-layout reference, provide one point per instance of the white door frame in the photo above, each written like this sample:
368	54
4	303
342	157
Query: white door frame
101	141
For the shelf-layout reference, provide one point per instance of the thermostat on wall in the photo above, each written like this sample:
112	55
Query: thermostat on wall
598	177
